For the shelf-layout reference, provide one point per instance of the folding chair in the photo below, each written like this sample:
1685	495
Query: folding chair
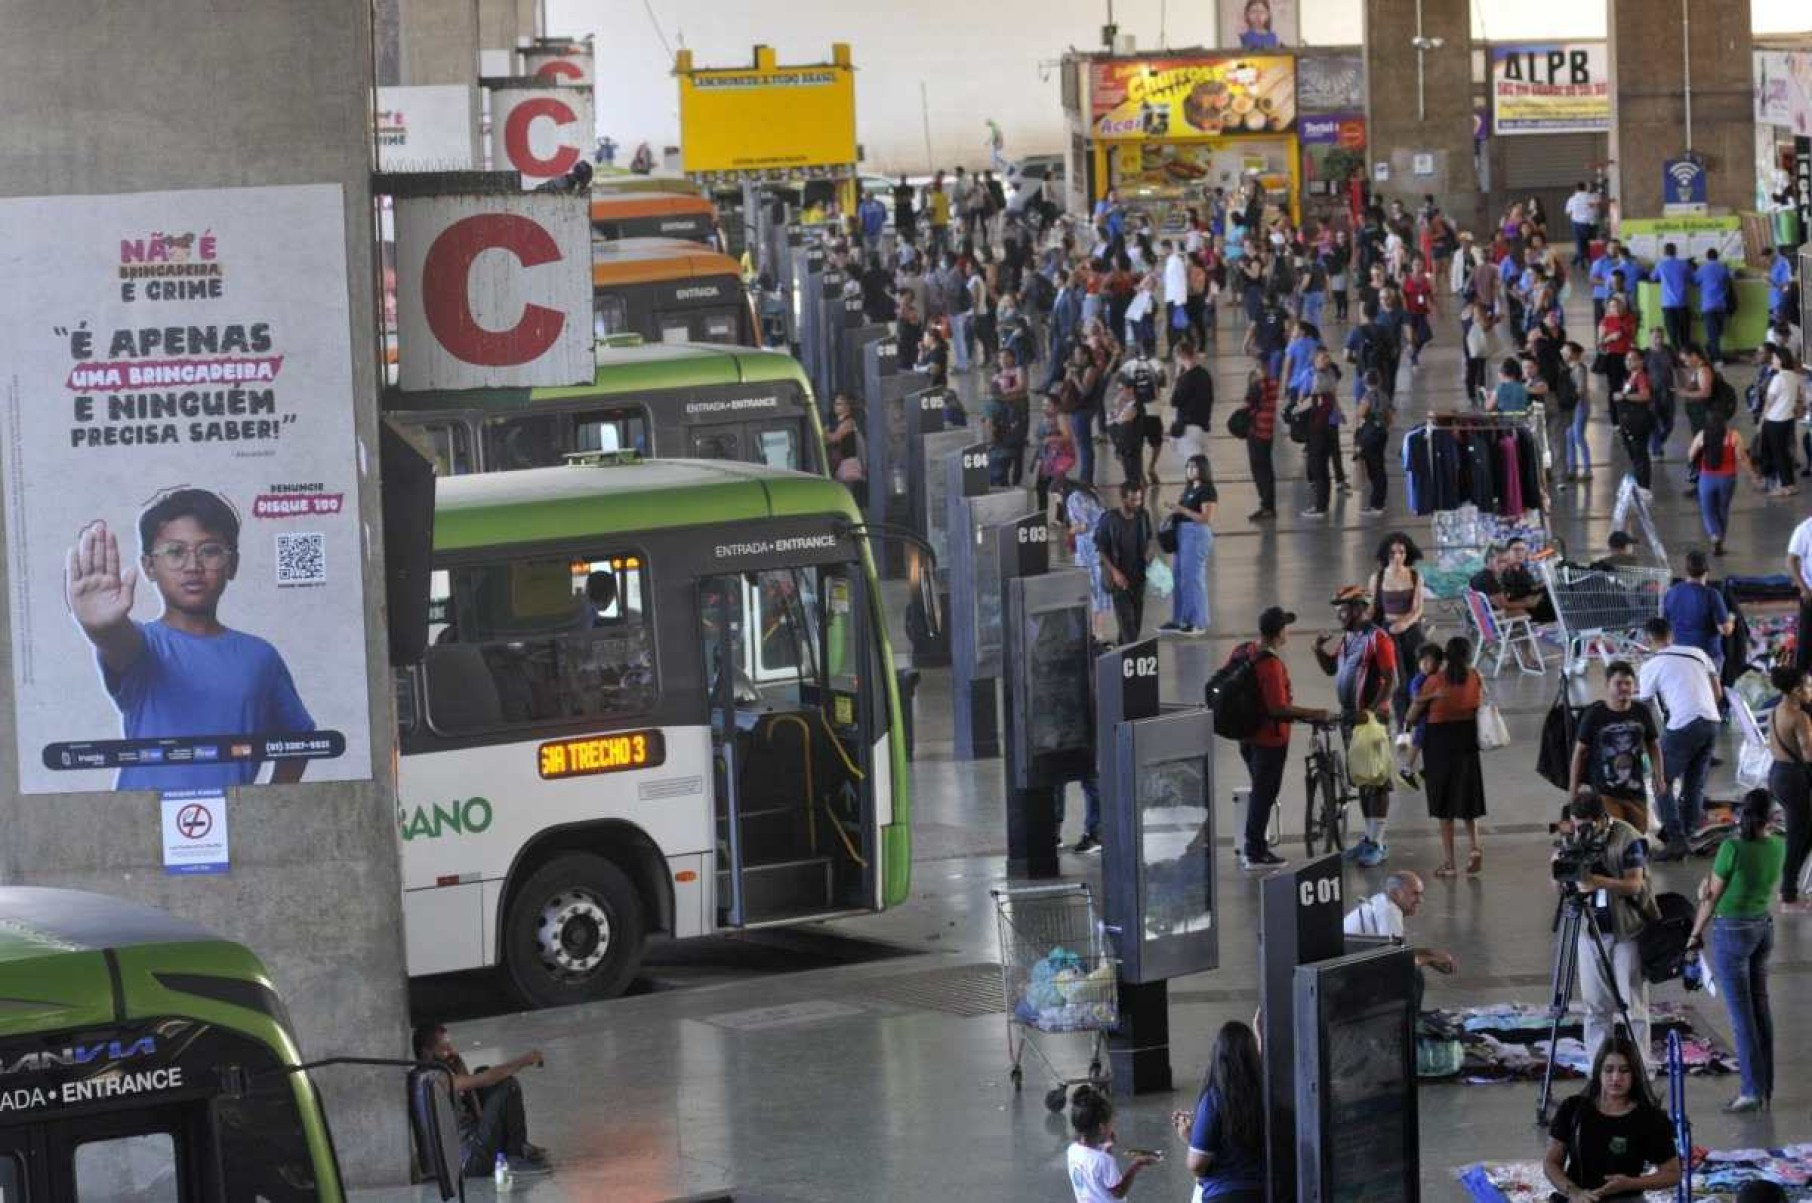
1512	635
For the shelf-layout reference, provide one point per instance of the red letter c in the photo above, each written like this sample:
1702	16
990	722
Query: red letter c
445	276
516	137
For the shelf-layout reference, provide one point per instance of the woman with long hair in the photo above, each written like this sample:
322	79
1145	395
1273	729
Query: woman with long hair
1082	510
1718	451
1783	406
1790	777
1453	778
1398	599
1613	1143
1194	515
1734	901
1226	1131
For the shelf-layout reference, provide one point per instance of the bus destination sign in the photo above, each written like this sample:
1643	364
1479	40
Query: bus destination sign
589	755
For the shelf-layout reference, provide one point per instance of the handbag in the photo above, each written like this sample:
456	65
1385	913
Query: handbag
1239	422
1179	318
1494	733
1167	535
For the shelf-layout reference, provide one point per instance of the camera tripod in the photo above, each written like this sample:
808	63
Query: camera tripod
1573	915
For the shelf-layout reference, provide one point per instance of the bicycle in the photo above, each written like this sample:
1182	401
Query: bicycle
1324	824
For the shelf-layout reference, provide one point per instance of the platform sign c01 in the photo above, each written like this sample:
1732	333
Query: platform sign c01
195	832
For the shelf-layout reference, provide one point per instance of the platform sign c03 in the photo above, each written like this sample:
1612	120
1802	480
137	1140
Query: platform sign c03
184	557
195	832
767	119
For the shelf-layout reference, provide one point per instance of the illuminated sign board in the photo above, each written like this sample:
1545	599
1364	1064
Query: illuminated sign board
590	755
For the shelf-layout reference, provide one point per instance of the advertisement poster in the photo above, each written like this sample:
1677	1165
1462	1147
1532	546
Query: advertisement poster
768	120
184	554
1259	24
1783	89
494	291
195	832
1330	83
1167	98
427	128
1551	88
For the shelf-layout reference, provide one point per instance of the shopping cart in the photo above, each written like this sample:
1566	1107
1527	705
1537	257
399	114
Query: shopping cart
1600	611
1058	975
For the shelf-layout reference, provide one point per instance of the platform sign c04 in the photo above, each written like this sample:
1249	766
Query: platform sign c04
590	755
767	119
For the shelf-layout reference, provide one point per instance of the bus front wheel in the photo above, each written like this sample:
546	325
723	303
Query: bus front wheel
574	932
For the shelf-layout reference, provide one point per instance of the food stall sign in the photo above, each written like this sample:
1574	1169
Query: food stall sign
767	121
1166	99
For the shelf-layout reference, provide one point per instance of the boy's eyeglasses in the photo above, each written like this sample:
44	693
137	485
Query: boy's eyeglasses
179	555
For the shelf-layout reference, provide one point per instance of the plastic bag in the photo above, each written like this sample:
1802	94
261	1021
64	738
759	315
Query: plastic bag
1494	733
1754	763
1158	580
1369	760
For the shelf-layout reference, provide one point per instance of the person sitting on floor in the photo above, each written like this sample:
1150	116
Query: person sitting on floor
489	1103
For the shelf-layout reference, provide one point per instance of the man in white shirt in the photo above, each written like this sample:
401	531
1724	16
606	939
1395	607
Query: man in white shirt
1382	915
1686	682
1176	291
1582	211
1799	570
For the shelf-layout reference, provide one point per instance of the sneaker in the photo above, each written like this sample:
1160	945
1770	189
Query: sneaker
534	1152
1742	1104
1260	515
1085	845
523	1167
1366	511
1357	850
1314	513
1172	626
1411	778
1265	858
1372	855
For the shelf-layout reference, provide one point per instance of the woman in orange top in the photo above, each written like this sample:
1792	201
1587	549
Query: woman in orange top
1450	751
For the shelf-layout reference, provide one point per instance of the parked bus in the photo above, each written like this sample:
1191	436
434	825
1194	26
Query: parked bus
669	290
658	697
681	215
672	400
143	1057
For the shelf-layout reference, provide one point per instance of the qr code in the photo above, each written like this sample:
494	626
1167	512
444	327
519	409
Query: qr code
301	559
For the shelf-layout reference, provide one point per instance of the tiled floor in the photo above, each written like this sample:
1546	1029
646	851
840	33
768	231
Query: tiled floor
870	1082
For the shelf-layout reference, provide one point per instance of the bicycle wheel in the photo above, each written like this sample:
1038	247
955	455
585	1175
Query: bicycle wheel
1333	810
1311	813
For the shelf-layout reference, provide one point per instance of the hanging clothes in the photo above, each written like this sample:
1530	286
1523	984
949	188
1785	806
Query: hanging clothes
1508	472
1417	470
1482	483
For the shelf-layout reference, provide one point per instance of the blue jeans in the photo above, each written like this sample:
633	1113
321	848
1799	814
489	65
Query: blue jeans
1267	767
1583	232
1272	362
1312	305
1091	804
1714	320
1190	605
1082	431
1715	496
1579	453
961	324
1687	755
1739	959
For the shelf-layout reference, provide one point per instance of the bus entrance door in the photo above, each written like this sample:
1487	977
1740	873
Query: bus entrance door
792	733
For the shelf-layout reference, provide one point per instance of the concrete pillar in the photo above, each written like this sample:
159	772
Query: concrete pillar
1426	143
497	26
438	41
1648	44
314	885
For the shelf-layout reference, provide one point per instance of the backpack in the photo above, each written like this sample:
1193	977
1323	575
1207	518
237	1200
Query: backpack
1233	697
1662	942
1011	433
1723	399
1566	391
962	302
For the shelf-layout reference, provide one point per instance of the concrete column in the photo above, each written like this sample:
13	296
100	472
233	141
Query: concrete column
497	24
314	886
1426	142
1649	41
438	41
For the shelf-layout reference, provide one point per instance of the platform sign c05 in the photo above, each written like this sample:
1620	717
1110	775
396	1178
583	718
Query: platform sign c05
590	755
767	119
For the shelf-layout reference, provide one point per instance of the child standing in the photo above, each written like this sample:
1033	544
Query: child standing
1094	1174
1428	662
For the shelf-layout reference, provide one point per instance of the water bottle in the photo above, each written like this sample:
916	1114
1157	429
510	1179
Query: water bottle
501	1176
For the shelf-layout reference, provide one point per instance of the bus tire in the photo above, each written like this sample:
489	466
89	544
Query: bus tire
573	933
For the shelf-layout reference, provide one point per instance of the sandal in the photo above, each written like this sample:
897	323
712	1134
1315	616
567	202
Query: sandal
1445	871
1475	860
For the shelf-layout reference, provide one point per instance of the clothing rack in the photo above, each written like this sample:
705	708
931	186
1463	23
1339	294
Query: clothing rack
1460	423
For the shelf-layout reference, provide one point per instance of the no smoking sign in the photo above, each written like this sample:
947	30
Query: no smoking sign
195	832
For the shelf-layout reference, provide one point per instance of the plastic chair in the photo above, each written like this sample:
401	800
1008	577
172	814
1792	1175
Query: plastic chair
1511	634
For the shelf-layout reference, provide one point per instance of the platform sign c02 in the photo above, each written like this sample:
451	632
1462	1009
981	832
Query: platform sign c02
195	832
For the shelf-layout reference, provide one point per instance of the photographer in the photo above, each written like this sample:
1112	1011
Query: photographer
1605	862
1601	1141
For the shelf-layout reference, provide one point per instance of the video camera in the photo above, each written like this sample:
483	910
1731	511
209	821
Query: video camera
1579	852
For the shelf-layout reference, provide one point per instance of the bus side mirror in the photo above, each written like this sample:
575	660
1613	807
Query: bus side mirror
436	1127
407	480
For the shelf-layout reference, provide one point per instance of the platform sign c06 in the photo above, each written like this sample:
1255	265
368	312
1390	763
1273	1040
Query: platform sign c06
766	118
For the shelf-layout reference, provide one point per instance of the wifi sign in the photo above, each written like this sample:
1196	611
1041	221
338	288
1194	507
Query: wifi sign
1683	182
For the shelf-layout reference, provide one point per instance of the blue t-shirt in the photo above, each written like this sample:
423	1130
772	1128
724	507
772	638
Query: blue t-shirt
1512	397
1696	612
1675	277
226	684
1780	274
1233	1169
1714	287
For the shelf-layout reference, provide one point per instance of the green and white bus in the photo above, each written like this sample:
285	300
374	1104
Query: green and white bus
673	400
658	698
143	1057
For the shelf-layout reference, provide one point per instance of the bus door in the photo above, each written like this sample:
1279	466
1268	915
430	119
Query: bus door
792	721
143	1155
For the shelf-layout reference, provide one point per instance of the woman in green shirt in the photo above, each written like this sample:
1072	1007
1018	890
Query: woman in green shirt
1735	902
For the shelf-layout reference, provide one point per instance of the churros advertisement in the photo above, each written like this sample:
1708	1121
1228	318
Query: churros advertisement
1171	99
